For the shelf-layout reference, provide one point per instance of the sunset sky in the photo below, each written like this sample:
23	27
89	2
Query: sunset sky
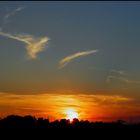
60	56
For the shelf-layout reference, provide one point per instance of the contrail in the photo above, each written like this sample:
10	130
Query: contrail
69	58
33	45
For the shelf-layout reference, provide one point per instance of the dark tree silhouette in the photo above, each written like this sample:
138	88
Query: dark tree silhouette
31	125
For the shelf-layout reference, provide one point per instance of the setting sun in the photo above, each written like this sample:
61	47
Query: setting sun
71	114
70	62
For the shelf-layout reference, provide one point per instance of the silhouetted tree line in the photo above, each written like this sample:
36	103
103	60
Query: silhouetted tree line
29	127
30	122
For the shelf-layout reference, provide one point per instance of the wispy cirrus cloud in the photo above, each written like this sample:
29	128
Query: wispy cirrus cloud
120	75
12	13
120	72
6	17
69	58
123	79
33	45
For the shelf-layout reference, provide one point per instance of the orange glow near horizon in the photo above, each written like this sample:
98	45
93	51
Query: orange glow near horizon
60	106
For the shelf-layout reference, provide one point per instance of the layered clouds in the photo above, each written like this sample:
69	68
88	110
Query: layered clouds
33	45
91	107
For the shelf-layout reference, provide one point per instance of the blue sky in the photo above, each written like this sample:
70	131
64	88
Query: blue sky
112	28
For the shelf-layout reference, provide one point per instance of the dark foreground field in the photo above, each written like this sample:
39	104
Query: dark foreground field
29	127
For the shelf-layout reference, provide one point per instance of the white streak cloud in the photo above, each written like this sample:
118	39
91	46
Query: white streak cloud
69	58
33	45
13	12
